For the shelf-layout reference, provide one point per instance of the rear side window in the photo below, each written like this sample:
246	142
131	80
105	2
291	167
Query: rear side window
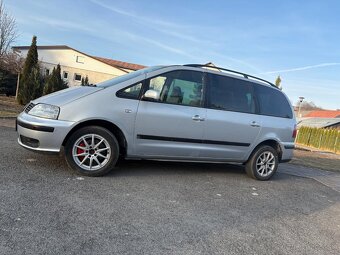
272	102
230	94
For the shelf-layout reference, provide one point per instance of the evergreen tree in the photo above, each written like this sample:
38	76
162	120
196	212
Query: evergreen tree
278	82
85	82
54	82
30	81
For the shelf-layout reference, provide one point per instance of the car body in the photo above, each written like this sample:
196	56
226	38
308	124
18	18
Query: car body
182	113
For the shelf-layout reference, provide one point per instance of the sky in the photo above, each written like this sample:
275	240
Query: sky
298	40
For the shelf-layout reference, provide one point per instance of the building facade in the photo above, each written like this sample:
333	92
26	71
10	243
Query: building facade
76	65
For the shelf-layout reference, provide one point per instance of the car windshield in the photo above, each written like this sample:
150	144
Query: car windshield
127	76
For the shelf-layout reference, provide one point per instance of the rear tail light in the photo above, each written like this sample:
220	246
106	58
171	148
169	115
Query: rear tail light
294	132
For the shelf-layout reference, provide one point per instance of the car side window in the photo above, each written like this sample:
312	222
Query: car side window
131	92
179	87
272	102
230	94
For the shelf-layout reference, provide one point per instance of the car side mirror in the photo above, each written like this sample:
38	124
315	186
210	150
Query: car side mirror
151	95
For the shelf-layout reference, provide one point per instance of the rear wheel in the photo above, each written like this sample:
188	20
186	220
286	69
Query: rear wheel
263	163
92	151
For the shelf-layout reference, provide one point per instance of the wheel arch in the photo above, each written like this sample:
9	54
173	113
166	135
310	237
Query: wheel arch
272	143
114	129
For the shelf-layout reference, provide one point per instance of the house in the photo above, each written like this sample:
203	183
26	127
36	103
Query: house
76	65
324	114
319	122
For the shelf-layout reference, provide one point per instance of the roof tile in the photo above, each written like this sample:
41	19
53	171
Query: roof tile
324	114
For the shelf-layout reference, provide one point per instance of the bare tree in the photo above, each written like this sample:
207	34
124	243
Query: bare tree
8	32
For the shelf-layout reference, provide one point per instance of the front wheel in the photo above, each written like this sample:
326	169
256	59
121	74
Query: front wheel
263	163
92	151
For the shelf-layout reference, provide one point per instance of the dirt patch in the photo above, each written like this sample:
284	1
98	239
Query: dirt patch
9	107
7	122
321	160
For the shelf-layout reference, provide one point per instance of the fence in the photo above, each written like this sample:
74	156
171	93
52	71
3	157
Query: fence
325	139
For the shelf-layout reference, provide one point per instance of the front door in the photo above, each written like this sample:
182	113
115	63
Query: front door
172	127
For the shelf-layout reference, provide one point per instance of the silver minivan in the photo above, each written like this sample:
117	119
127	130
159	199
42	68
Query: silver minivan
181	113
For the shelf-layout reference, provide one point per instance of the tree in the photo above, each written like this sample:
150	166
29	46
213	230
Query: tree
54	82
8	32
85	82
9	64
278	82
308	106
31	81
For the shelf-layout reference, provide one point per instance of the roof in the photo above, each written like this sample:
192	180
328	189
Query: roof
318	122
121	64
111	62
324	114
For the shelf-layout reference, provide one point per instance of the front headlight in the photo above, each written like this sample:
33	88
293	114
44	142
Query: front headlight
45	111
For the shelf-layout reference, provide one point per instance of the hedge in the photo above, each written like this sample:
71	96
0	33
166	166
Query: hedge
325	139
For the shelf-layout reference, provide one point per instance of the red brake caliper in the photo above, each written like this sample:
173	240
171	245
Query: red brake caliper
79	151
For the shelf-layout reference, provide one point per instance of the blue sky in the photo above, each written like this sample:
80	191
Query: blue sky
299	40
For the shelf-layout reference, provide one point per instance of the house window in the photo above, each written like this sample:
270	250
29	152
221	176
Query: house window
80	59
47	71
65	75
77	77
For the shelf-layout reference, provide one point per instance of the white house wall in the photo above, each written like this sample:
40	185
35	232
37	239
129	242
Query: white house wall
95	70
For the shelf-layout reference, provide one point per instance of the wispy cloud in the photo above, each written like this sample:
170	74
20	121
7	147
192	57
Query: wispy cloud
62	24
69	25
166	27
303	68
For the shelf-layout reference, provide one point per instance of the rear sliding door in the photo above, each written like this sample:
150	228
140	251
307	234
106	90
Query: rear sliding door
231	125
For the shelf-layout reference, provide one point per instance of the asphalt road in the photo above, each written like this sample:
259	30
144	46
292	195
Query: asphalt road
159	208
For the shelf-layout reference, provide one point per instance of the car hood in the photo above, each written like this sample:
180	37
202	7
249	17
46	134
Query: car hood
66	96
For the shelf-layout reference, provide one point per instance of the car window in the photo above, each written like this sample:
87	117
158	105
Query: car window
230	94
131	92
272	102
179	87
128	76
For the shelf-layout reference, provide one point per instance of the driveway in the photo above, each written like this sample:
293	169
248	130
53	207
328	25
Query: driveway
146	207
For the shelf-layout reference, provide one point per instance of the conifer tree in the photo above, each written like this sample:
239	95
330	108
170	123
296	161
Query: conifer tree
30	81
278	82
54	82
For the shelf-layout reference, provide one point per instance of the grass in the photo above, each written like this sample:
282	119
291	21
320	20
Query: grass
9	107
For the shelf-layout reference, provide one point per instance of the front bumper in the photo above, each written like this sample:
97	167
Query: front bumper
41	134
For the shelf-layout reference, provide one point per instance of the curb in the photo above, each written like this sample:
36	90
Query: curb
8	118
305	148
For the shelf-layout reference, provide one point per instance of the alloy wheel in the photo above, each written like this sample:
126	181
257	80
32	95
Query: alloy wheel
91	152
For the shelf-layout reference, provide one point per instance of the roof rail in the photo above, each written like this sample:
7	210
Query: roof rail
247	76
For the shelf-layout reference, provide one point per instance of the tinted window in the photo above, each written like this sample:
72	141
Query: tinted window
230	94
272	102
131	92
179	87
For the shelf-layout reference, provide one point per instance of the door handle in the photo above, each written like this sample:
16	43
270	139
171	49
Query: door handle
197	118
254	124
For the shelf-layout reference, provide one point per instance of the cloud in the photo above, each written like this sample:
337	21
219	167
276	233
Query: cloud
157	24
61	24
302	68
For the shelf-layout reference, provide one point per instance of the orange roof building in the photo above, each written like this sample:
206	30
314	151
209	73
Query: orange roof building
324	114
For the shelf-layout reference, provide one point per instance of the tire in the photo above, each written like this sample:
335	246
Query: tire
263	163
92	151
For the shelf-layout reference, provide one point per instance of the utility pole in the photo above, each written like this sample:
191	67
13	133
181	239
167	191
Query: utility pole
300	100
